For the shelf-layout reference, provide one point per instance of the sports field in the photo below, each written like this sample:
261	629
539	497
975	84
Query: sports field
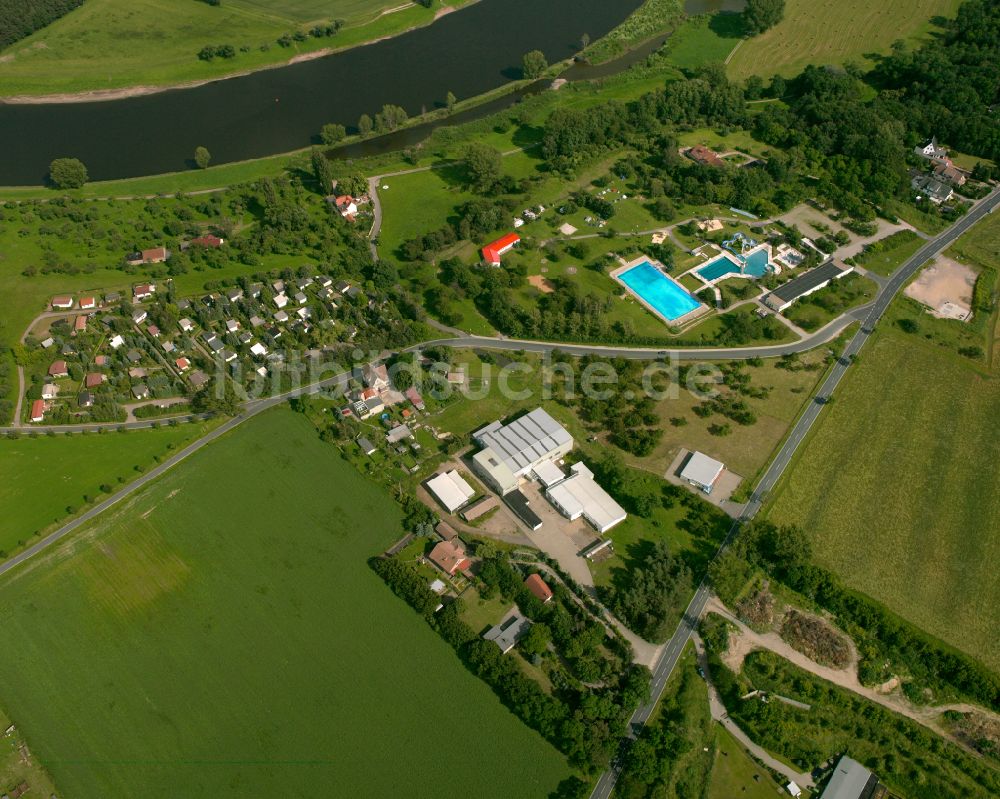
221	635
109	44
900	490
833	32
41	477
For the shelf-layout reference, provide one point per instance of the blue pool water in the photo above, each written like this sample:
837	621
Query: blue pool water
669	299
755	265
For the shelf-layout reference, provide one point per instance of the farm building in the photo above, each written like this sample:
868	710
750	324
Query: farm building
702	471
579	495
805	284
495	249
450	490
509	452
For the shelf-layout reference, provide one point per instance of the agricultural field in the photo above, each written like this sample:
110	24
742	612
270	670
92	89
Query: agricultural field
42	479
111	44
828	32
220	634
912	521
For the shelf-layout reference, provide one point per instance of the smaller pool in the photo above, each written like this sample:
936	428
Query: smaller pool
665	296
756	263
718	267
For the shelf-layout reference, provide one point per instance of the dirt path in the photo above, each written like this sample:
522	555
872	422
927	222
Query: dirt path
747	640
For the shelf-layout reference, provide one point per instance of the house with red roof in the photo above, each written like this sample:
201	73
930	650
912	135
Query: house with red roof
155	255
38	411
93	379
80	324
183	364
62	302
450	557
347	206
493	250
88	303
58	369
704	156
143	292
537	586
208	240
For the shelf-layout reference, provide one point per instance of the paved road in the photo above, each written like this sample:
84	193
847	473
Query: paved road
670	656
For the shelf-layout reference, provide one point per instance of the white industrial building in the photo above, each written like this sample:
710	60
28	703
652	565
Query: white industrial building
578	495
702	471
510	452
451	490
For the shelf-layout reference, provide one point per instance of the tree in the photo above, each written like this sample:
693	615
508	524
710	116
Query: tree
202	157
537	639
450	100
759	15
365	125
482	163
332	134
68	173
322	170
534	64
390	118
584	41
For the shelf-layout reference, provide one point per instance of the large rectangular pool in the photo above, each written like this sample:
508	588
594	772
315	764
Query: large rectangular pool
667	297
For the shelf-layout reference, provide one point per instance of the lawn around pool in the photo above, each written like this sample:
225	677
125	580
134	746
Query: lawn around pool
220	634
898	489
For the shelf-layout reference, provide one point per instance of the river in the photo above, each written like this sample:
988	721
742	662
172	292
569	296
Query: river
469	52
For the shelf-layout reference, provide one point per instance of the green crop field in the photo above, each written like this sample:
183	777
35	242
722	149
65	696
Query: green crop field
220	634
833	32
899	489
41	477
110	44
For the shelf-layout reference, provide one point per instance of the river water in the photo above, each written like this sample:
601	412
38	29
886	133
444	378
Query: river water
469	52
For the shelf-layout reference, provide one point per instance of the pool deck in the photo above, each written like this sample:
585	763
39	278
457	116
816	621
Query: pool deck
681	320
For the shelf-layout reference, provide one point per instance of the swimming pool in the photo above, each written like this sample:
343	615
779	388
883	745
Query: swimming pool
754	265
663	295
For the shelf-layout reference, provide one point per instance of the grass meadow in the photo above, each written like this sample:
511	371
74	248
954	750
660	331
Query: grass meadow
899	489
834	32
734	771
40	478
220	634
110	44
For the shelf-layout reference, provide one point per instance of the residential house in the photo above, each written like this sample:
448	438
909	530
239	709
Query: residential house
197	379
111	297
140	391
155	255
324	282
398	433
450	557
58	369
366	446
208	240
347	207
182	364
537	586
116	342
258	350
133	356
232	325
704	156
93	379
280	300
511	629
153	330
37	411
415	399
950	174
85	399
62	302
228	356
48	342
234	295
342	286
186	325
88	303
139	316
101	360
256	321
300	298
932	152
50	391
80	324
143	291
935	191
375	376
281	317
168	347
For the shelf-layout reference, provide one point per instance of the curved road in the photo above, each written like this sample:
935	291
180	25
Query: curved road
661	673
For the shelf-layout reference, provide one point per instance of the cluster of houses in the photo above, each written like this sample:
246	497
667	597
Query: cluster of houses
939	184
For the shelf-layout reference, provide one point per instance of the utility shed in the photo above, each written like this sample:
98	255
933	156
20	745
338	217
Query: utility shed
851	780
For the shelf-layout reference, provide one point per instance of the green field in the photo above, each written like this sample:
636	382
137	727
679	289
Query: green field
41	477
704	40
899	489
831	32
110	44
734	771
220	634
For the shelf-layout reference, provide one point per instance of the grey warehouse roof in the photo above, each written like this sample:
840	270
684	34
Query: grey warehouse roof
525	440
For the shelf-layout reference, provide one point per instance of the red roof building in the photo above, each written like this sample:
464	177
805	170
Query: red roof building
704	156
208	240
449	557
58	369
537	586
80	324
183	364
156	255
144	290
37	411
88	303
93	379
62	302
493	250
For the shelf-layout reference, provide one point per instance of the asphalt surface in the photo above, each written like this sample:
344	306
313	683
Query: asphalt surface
674	648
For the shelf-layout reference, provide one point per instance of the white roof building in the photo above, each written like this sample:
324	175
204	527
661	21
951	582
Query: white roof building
116	342
258	349
579	495
549	473
702	471
451	490
510	452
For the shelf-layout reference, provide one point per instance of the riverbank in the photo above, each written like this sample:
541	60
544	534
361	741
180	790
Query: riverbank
58	55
